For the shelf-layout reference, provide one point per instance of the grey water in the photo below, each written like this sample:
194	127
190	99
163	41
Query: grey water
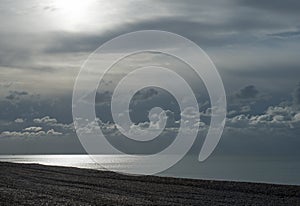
283	170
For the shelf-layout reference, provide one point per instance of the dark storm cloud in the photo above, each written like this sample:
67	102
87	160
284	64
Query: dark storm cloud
15	95
248	100
105	96
102	97
36	106
145	94
247	92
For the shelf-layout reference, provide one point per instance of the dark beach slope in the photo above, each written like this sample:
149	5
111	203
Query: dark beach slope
32	184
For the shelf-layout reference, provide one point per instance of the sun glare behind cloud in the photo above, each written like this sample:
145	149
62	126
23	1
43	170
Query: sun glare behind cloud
73	12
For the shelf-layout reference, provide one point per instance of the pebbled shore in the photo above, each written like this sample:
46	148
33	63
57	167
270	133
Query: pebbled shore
33	184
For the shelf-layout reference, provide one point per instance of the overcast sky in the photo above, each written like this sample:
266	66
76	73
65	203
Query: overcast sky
254	45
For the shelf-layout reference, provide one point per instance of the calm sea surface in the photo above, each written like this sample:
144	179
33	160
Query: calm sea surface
271	170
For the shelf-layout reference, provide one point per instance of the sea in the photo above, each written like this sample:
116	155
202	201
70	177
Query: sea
283	170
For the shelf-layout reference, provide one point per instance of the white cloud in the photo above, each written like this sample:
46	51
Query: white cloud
45	126
30	132
274	117
21	134
297	117
33	129
52	132
53	123
46	120
19	120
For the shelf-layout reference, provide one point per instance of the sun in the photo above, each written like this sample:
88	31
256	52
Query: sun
73	12
75	7
79	15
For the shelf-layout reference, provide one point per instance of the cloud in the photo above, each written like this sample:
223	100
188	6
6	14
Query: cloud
297	117
101	97
52	123
247	92
275	132
33	129
145	94
247	100
45	126
15	95
30	132
52	132
45	120
30	107
245	109
19	120
6	84
275	117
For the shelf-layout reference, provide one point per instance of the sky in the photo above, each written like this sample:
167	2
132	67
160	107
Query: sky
254	45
